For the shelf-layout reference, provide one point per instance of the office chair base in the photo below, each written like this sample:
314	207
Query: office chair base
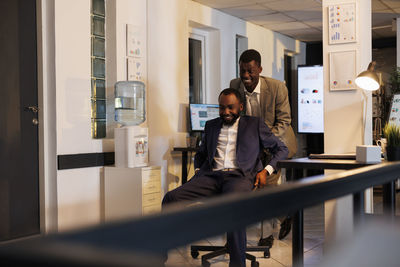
220	250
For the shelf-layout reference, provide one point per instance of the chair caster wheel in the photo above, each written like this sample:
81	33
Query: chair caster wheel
267	254
255	264
194	254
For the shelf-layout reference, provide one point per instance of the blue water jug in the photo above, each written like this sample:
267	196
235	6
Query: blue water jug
130	102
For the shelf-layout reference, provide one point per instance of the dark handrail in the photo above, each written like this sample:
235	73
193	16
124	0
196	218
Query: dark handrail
179	226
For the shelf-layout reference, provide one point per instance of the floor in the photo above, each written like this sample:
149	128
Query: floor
281	252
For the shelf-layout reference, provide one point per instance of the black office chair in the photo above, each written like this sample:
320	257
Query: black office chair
221	250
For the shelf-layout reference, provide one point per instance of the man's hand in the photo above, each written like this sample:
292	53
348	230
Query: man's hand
261	179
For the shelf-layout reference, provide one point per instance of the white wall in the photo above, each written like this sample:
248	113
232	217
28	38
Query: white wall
78	189
168	68
167	28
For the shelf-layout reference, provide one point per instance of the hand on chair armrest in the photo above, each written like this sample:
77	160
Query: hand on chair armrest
261	179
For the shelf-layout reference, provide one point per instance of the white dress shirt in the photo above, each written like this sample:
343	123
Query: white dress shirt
225	156
256	91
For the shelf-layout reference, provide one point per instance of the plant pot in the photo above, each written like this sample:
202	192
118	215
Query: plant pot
393	153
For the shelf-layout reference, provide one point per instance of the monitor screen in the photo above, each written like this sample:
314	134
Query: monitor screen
200	113
310	99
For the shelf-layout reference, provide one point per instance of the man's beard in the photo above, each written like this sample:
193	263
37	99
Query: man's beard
230	122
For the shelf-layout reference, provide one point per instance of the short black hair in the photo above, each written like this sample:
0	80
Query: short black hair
250	55
229	91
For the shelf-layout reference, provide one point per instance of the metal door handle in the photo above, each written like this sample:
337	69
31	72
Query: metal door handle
33	109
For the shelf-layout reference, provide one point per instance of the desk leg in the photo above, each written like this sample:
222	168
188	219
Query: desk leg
389	199
297	242
184	166
358	208
298	229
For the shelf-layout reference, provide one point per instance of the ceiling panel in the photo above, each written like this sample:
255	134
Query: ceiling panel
392	3
278	15
270	19
315	23
288	26
292	5
377	5
225	3
383	11
312	13
305	35
247	11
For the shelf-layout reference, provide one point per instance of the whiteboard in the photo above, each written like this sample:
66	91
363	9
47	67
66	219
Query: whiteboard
310	101
394	116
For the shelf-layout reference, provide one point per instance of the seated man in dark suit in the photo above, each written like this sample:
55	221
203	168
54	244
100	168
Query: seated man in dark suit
228	161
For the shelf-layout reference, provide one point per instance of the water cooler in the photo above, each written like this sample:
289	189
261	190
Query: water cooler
131	188
131	140
131	147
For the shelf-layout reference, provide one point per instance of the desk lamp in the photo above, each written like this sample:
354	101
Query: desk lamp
369	81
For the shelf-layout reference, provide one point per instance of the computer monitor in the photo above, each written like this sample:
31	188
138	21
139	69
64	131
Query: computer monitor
310	99
200	113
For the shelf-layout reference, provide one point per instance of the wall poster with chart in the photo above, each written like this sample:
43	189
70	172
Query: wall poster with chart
135	53
342	23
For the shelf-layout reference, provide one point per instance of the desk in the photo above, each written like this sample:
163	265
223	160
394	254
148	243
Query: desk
185	151
321	164
358	201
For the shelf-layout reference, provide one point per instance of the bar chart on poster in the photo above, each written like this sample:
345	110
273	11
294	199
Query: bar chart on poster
310	99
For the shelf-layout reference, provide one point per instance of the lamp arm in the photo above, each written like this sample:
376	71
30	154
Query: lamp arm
364	115
371	66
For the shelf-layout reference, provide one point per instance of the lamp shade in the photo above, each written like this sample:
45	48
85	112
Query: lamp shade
368	80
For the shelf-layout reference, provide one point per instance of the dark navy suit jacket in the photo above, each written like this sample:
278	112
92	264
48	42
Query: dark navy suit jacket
253	135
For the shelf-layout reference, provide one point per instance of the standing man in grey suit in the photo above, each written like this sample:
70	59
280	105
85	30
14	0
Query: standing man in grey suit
228	161
266	98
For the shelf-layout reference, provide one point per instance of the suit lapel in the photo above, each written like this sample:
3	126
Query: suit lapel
243	94
263	95
242	125
214	133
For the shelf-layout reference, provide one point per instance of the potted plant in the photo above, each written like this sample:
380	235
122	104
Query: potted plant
394	81
392	134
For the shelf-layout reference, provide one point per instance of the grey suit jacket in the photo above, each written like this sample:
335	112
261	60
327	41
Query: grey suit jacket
275	109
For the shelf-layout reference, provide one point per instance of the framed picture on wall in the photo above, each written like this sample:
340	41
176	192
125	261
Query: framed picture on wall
342	70
342	23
